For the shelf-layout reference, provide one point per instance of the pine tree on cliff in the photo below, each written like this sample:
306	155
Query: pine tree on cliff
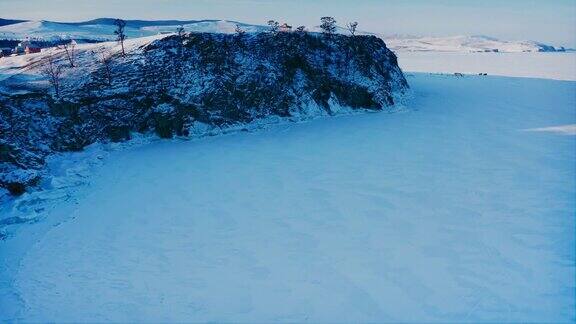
328	25
274	27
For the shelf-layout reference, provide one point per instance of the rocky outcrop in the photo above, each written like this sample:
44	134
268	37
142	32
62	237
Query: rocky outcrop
178	84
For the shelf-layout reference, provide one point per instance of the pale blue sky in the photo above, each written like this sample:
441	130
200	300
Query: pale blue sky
552	21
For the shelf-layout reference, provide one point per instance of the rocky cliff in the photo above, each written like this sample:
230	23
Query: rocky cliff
185	85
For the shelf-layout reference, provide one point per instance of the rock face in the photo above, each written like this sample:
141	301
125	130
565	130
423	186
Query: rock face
177	85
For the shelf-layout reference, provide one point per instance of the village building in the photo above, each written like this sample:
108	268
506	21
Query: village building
32	48
26	47
19	49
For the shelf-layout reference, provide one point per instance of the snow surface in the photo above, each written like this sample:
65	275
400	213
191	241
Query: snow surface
450	211
558	66
28	67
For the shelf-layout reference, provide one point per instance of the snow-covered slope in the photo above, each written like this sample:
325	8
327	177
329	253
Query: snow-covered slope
46	30
453	211
466	44
103	29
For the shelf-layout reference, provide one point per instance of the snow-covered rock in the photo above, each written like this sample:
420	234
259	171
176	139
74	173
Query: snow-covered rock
170	85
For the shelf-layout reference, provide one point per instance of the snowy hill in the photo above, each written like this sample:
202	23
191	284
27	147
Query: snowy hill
102	29
4	22
464	44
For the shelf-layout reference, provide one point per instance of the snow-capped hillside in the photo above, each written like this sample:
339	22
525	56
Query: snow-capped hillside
4	22
464	44
103	29
47	30
209	26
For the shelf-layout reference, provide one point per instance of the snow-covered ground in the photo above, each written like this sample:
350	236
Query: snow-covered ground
28	67
460	208
558	66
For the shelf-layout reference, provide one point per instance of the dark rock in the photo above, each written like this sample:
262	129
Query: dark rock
16	188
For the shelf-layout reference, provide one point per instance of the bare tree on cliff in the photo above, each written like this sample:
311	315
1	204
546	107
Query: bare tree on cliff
69	49
352	28
180	32
120	34
53	71
105	58
328	25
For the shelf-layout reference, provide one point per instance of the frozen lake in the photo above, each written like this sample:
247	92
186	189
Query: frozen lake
453	210
558	66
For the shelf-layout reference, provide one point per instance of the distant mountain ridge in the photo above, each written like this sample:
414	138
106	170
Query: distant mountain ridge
110	21
473	44
138	23
6	22
102	29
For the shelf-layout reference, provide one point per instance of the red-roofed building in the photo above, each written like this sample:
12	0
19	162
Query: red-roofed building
31	48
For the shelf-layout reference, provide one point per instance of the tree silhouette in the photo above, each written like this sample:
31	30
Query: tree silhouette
120	34
352	27
53	71
328	25
70	52
274	26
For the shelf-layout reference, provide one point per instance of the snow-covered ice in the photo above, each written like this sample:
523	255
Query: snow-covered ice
558	66
449	211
